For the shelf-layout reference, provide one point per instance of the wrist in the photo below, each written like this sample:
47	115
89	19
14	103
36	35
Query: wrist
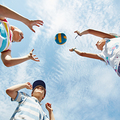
24	85
28	56
74	49
26	21
79	34
50	111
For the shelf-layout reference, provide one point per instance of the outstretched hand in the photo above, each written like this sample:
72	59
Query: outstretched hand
72	49
32	57
32	23
78	32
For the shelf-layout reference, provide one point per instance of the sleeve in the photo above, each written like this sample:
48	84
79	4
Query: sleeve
116	35
45	117
102	55
20	97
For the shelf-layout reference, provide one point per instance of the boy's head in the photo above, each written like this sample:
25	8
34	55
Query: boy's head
39	89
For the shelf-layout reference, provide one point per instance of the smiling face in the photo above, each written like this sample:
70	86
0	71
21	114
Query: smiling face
17	35
39	92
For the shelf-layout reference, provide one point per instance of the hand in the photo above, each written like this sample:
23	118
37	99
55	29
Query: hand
48	107
28	85
72	49
78	33
32	57
32	23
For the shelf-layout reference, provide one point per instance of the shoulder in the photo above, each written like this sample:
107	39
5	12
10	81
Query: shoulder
3	19
20	97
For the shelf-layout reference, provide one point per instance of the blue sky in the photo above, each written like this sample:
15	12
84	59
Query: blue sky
78	88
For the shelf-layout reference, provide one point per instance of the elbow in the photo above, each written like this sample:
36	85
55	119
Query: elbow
8	91
7	63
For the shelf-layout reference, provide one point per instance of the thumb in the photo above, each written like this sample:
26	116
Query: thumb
33	30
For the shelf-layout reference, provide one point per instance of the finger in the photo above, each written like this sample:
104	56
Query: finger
37	60
32	50
33	30
30	85
40	21
37	25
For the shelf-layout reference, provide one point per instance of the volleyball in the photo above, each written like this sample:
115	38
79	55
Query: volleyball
60	38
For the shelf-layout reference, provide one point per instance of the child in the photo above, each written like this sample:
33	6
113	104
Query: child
109	45
29	108
9	34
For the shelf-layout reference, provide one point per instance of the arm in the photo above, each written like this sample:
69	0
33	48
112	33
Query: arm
89	55
50	110
6	12
12	91
95	32
9	61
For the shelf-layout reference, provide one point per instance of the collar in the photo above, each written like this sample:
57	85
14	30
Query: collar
36	100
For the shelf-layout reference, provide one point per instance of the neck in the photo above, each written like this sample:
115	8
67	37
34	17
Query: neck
38	98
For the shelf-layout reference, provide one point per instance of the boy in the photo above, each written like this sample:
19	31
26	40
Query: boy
29	108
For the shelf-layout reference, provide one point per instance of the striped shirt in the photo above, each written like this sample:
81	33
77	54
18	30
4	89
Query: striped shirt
5	36
28	108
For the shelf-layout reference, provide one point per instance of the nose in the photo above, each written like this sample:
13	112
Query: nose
22	37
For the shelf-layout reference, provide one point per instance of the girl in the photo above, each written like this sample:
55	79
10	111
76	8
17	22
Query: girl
9	34
109	46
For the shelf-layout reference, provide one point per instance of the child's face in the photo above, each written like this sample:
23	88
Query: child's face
39	92
17	35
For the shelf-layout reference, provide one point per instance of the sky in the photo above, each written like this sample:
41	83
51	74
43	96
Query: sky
78	88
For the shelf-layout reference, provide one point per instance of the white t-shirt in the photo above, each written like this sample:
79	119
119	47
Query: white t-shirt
111	52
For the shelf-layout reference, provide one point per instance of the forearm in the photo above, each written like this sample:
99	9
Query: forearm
6	12
51	115
97	33
88	55
12	91
9	61
17	87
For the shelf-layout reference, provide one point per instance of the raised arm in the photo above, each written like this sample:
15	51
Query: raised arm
12	91
6	12
84	54
95	32
50	110
9	61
